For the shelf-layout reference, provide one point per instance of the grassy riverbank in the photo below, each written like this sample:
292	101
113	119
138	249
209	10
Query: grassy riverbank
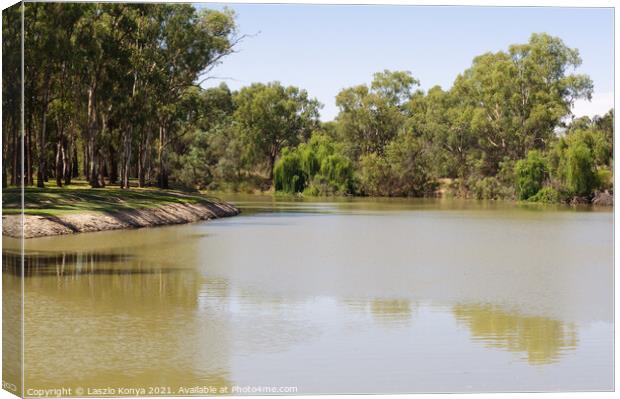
77	208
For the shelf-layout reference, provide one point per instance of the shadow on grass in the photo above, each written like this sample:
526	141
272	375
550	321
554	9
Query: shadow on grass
54	201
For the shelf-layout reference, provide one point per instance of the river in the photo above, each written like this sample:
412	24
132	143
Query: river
340	296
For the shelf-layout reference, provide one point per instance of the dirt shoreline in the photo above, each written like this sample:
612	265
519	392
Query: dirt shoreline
43	226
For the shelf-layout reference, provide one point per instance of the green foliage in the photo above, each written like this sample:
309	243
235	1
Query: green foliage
546	195
374	175
489	188
404	170
530	174
116	89
289	175
513	100
370	117
334	178
581	176
605	178
580	160
316	168
271	117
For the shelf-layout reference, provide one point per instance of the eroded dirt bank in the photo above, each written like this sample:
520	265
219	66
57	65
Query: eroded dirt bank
41	226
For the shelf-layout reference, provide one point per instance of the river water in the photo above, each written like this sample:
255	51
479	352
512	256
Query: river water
348	296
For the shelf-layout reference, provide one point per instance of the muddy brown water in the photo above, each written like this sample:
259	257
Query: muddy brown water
346	296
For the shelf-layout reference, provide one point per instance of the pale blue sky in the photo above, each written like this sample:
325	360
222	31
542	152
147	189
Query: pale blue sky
324	48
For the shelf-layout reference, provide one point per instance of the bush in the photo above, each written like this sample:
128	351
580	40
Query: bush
530	173
288	173
546	195
582	161
405	170
314	168
489	188
581	176
605	178
374	175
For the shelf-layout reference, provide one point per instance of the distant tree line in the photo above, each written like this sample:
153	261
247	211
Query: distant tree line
113	93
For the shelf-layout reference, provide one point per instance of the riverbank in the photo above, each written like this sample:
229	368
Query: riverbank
58	211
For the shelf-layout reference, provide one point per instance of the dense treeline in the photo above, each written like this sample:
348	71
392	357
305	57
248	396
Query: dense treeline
109	88
113	94
504	130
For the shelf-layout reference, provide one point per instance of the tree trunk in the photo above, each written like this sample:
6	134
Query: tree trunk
28	154
142	145
112	166
59	163
15	176
272	163
126	158
93	161
74	162
66	163
85	159
42	175
162	178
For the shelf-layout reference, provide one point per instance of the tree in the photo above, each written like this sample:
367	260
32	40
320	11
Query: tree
11	97
530	174
439	118
580	173
271	117
318	167
106	70
191	45
404	170
517	98
370	117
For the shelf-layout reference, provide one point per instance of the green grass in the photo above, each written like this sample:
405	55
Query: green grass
79	198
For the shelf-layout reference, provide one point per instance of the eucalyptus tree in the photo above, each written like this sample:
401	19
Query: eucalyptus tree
101	52
11	94
370	117
438	118
271	117
517	98
116	73
191	44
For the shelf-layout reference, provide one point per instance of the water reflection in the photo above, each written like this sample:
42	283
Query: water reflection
387	310
11	332
541	339
331	303
59	263
130	323
391	309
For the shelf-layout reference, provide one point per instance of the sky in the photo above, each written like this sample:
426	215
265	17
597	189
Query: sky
325	48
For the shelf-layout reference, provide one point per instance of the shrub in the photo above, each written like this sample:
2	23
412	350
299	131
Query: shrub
580	173
489	188
605	178
374	175
404	170
546	195
288	173
530	174
411	167
314	168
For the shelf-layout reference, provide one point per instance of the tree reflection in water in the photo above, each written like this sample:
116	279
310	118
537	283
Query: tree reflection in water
541	339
